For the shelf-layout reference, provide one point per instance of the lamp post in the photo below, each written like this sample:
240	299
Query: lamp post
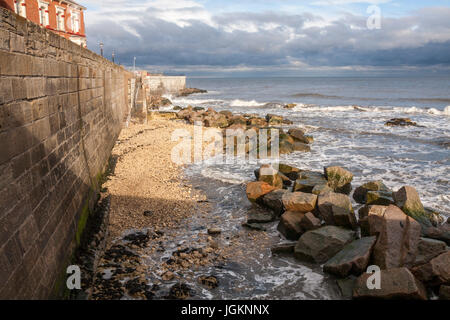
113	56
101	48
134	65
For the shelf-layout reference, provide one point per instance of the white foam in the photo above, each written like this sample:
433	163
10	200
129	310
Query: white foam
245	103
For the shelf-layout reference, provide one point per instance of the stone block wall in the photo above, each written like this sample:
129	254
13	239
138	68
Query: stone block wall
62	108
165	84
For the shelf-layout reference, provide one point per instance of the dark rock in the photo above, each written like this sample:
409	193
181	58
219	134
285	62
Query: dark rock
336	209
436	272
360	194
396	284
148	213
346	286
299	202
310	222
439	233
364	217
214	231
290	225
188	91
210	282
301	147
283	248
429	249
398	237
320	245
379	198
254	226
180	291
274	201
353	259
260	215
402	122
138	239
308	180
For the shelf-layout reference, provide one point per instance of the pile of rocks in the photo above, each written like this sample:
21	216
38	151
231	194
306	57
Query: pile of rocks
402	122
188	91
293	140
392	230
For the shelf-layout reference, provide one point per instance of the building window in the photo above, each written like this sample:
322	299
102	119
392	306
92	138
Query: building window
75	22
60	18
43	14
20	8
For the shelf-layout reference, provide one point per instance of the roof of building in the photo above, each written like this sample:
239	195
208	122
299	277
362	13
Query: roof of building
73	3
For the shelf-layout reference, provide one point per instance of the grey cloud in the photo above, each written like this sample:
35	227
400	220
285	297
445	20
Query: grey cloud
422	39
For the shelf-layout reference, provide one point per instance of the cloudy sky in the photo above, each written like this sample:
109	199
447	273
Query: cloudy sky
274	37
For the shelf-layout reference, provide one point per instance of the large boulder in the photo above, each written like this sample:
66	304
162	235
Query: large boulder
290	225
320	245
339	179
308	180
439	233
360	194
310	222
299	136
398	237
364	217
353	259
274	201
379	198
429	249
407	198
398	283
299	202
269	175
291	172
336	209
260	215
402	122
436	272
256	190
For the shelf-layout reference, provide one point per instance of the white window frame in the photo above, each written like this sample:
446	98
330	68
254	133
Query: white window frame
60	18
75	21
20	8
44	17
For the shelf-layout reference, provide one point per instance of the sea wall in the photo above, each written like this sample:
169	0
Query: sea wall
62	108
165	84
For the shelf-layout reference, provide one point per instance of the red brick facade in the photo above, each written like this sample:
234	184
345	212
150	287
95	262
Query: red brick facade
64	17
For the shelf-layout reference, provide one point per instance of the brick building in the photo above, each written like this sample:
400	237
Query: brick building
64	17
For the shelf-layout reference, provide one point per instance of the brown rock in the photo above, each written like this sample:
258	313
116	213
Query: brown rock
361	192
397	283
290	225
299	202
429	249
407	199
283	248
338	178
320	245
310	222
353	259
364	217
269	175
435	272
398	237
256	190
336	209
